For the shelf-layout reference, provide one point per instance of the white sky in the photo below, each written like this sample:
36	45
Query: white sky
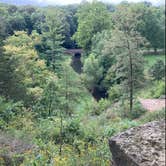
65	2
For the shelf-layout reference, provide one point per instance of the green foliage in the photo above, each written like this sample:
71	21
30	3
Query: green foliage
72	132
157	71
23	74
71	89
117	127
150	60
137	112
126	44
100	107
155	90
115	93
48	129
8	111
51	105
103	62
150	21
53	38
99	40
121	110
158	89
153	116
92	18
92	72
150	24
49	101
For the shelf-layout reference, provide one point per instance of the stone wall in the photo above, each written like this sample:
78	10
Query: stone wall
140	146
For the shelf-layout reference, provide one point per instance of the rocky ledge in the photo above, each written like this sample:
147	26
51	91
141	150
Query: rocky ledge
140	146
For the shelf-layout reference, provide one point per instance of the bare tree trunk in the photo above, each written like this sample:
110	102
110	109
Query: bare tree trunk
130	77
131	84
61	132
61	115
50	104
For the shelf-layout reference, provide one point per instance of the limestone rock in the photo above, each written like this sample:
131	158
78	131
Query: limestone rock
140	146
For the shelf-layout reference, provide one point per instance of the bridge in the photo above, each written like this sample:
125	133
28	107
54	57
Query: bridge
73	51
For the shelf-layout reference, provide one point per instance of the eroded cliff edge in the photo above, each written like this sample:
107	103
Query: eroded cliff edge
140	146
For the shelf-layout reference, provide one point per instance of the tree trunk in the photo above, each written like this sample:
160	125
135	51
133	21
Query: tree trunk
61	130
130	77
131	84
49	106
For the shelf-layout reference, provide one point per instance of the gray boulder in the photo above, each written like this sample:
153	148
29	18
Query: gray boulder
140	146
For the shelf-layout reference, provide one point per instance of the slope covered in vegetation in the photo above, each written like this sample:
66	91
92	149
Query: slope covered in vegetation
66	117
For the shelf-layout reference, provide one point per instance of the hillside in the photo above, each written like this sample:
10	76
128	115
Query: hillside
72	77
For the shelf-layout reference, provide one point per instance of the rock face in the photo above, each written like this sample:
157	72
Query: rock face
140	146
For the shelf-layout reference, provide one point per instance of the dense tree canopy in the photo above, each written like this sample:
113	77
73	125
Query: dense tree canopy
25	72
92	18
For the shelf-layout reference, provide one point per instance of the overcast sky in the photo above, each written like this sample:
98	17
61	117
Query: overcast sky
65	2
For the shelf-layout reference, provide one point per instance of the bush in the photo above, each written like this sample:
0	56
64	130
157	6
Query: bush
158	90
9	109
101	106
138	110
152	116
48	130
115	127
154	90
114	93
72	131
157	71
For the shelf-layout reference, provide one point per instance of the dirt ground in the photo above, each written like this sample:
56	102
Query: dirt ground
153	104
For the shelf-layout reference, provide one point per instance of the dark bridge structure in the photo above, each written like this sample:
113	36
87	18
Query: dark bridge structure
76	59
74	51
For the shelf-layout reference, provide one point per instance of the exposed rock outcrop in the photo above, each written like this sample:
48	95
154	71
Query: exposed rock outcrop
140	146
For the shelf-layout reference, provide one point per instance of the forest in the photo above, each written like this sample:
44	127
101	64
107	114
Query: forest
73	76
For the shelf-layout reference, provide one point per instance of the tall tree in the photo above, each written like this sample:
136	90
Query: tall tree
92	18
126	45
150	23
71	91
53	37
25	74
60	97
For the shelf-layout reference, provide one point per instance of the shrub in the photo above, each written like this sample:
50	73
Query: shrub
49	129
154	90
114	93
72	131
157	71
152	116
101	106
116	127
138	110
158	89
9	109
